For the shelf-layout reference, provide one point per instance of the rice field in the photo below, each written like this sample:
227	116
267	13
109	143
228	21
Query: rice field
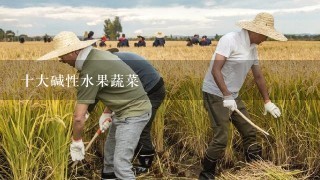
35	131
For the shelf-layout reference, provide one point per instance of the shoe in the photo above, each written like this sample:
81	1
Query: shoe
146	160
206	176
209	169
253	154
108	176
137	170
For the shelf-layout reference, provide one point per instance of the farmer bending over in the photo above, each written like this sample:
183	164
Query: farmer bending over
154	86
130	104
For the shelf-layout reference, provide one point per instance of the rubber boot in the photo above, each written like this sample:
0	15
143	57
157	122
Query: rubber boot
209	169
253	154
108	176
145	163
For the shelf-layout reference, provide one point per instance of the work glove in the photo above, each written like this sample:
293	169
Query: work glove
229	102
77	150
272	109
105	121
86	116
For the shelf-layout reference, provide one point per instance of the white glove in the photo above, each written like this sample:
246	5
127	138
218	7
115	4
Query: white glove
86	116
105	121
77	150
229	102
272	109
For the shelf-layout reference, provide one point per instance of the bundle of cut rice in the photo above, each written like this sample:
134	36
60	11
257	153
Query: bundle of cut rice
261	170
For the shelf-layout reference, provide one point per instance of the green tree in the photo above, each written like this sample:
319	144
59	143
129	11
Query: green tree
217	37
117	26
112	28
113	33
1	34
106	29
109	29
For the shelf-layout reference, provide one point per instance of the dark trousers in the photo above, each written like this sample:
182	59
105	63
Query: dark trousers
145	146
221	117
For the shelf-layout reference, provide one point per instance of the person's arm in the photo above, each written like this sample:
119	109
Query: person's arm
217	75
228	100
79	118
260	82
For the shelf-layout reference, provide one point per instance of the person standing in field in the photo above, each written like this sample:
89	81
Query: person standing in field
235	55
130	104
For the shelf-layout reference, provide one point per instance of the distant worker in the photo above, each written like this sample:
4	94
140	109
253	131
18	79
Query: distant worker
205	41
90	37
159	41
189	43
46	38
21	39
103	41
123	41
141	42
195	39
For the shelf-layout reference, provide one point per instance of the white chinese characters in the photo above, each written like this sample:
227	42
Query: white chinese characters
71	80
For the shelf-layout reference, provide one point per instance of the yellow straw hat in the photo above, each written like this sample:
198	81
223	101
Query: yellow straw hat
64	43
159	35
263	23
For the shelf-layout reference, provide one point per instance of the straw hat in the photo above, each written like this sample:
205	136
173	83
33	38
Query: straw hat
159	35
263	23
64	43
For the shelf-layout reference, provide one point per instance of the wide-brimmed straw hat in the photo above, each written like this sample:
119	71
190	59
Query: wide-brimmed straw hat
64	43
159	35
263	23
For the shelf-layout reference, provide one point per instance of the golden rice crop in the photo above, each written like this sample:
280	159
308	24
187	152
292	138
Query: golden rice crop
35	134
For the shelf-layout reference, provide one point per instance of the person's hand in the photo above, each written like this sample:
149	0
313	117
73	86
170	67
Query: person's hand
229	102
87	115
77	150
272	109
105	121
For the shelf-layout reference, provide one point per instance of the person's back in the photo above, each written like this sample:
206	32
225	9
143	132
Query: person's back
195	39
162	41
148	75
159	42
142	43
208	41
123	41
203	42
154	86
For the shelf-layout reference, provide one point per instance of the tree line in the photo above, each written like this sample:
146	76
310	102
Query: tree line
113	28
6	35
